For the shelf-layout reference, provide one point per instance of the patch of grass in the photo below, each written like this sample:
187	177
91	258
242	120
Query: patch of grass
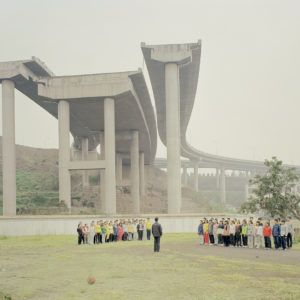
55	267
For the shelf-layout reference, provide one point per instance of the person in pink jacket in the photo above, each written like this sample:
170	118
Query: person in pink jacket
120	231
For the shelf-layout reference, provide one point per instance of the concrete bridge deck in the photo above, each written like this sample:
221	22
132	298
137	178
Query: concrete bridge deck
110	109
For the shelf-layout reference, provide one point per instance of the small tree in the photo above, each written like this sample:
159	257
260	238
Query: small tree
273	192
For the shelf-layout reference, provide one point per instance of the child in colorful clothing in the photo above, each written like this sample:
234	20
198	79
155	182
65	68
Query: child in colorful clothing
84	233
244	233
130	232
103	231
232	234
251	234
80	234
125	234
220	233
148	228
238	231
98	233
110	232
205	232
226	234
283	234
92	233
215	231
200	233
116	232
120	231
290	229
267	235
276	234
210	232
259	234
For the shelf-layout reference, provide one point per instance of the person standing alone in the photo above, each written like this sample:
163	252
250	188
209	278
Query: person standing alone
157	233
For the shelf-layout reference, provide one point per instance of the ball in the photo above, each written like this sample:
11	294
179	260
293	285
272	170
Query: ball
91	280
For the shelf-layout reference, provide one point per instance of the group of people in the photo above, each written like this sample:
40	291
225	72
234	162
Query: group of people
100	232
234	233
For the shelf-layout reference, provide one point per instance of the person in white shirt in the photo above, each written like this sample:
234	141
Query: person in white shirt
290	232
259	234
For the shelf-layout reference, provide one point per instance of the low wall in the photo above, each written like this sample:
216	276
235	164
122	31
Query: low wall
67	225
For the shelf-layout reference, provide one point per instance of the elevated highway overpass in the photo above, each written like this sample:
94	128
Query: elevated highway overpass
173	70
111	109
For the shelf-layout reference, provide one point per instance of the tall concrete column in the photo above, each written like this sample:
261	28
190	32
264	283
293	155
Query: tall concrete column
184	176
85	156
102	171
223	186
8	148
196	176
110	156
142	174
246	191
173	137
217	179
64	152
134	171
119	169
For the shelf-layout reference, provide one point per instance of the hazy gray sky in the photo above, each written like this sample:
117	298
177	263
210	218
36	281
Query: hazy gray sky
248	99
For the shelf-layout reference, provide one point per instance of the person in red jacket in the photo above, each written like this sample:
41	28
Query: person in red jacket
267	231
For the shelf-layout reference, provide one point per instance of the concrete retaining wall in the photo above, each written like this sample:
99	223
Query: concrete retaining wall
67	225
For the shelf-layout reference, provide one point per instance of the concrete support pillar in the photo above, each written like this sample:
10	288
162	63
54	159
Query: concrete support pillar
196	176
102	172
119	169
134	171
8	148
173	137
142	174
184	176
223	186
85	156
64	152
246	191
110	156
217	179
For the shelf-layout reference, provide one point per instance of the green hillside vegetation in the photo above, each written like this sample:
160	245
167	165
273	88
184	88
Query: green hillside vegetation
37	181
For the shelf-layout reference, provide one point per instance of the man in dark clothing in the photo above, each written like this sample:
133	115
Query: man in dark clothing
157	233
80	233
276	234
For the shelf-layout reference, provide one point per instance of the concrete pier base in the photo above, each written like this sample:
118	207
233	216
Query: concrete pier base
8	148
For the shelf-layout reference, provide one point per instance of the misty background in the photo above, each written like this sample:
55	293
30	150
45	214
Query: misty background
247	103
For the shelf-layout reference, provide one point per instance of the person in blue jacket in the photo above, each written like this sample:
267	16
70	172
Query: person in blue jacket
116	232
276	234
200	232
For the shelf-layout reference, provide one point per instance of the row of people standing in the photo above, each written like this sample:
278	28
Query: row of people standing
113	231
234	233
